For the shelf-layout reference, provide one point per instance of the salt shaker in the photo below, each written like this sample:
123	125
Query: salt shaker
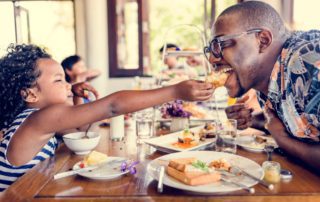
117	128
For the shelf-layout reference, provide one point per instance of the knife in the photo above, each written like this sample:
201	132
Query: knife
245	187
87	169
160	180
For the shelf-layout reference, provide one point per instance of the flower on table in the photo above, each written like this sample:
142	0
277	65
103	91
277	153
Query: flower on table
174	109
129	166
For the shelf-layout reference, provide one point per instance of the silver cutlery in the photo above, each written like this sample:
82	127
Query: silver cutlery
160	179
236	170
243	186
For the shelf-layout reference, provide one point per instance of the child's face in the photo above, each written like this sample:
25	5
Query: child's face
52	86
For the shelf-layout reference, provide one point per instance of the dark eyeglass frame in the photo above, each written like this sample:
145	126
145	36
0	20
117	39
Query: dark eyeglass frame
217	44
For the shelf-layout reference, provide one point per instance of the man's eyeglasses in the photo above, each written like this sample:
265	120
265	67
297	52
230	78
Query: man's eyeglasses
217	44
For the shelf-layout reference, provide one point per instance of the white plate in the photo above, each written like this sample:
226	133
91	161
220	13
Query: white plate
164	143
208	156
103	173
248	143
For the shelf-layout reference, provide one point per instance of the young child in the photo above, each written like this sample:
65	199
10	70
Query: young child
34	107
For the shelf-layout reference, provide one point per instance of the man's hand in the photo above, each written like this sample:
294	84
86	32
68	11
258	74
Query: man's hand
273	124
82	89
240	112
192	90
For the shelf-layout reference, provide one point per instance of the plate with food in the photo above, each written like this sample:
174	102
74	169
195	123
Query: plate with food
99	166
204	171
196	138
255	143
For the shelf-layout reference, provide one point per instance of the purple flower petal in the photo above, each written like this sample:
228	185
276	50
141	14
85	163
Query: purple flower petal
133	170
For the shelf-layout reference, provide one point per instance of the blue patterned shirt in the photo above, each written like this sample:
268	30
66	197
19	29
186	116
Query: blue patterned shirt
294	88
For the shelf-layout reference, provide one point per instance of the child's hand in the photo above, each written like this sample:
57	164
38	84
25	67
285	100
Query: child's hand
88	75
81	90
193	90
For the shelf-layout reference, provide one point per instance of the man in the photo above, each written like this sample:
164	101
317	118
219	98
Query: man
252	44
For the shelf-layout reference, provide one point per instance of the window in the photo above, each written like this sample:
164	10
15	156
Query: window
137	28
50	25
125	38
306	15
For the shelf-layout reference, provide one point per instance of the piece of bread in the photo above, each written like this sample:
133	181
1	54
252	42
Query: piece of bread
180	164
193	178
95	158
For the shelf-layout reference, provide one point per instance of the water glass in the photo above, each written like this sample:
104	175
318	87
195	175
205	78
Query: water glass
144	129
227	136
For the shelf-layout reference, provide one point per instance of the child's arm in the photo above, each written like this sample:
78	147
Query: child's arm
42	124
63	117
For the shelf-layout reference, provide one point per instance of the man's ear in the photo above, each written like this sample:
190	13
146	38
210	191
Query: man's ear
29	95
265	39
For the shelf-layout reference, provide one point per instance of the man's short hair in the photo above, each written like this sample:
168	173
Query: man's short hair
256	14
170	46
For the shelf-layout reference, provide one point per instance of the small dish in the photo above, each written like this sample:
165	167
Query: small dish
165	143
81	144
250	144
104	173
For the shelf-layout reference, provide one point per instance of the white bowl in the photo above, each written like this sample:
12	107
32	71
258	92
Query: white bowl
80	145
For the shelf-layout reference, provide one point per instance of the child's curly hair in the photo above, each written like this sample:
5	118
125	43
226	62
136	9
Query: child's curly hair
18	71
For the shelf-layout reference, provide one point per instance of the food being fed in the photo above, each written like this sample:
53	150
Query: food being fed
191	171
217	79
94	158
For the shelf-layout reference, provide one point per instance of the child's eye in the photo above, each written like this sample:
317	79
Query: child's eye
58	80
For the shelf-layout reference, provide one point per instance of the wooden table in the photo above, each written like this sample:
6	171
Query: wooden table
38	183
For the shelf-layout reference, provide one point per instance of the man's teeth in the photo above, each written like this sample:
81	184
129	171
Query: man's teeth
225	70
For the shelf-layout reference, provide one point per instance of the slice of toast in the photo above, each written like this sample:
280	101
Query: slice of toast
180	164
193	178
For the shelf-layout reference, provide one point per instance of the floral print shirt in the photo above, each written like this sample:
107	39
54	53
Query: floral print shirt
294	87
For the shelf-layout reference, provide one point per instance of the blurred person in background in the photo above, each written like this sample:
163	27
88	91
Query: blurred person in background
77	71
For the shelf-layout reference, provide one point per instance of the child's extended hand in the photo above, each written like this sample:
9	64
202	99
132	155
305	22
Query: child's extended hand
81	90
192	90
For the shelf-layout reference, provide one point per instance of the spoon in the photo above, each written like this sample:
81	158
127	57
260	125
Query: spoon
87	130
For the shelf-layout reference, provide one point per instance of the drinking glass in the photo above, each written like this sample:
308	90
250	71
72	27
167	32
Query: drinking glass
227	136
144	129
144	124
